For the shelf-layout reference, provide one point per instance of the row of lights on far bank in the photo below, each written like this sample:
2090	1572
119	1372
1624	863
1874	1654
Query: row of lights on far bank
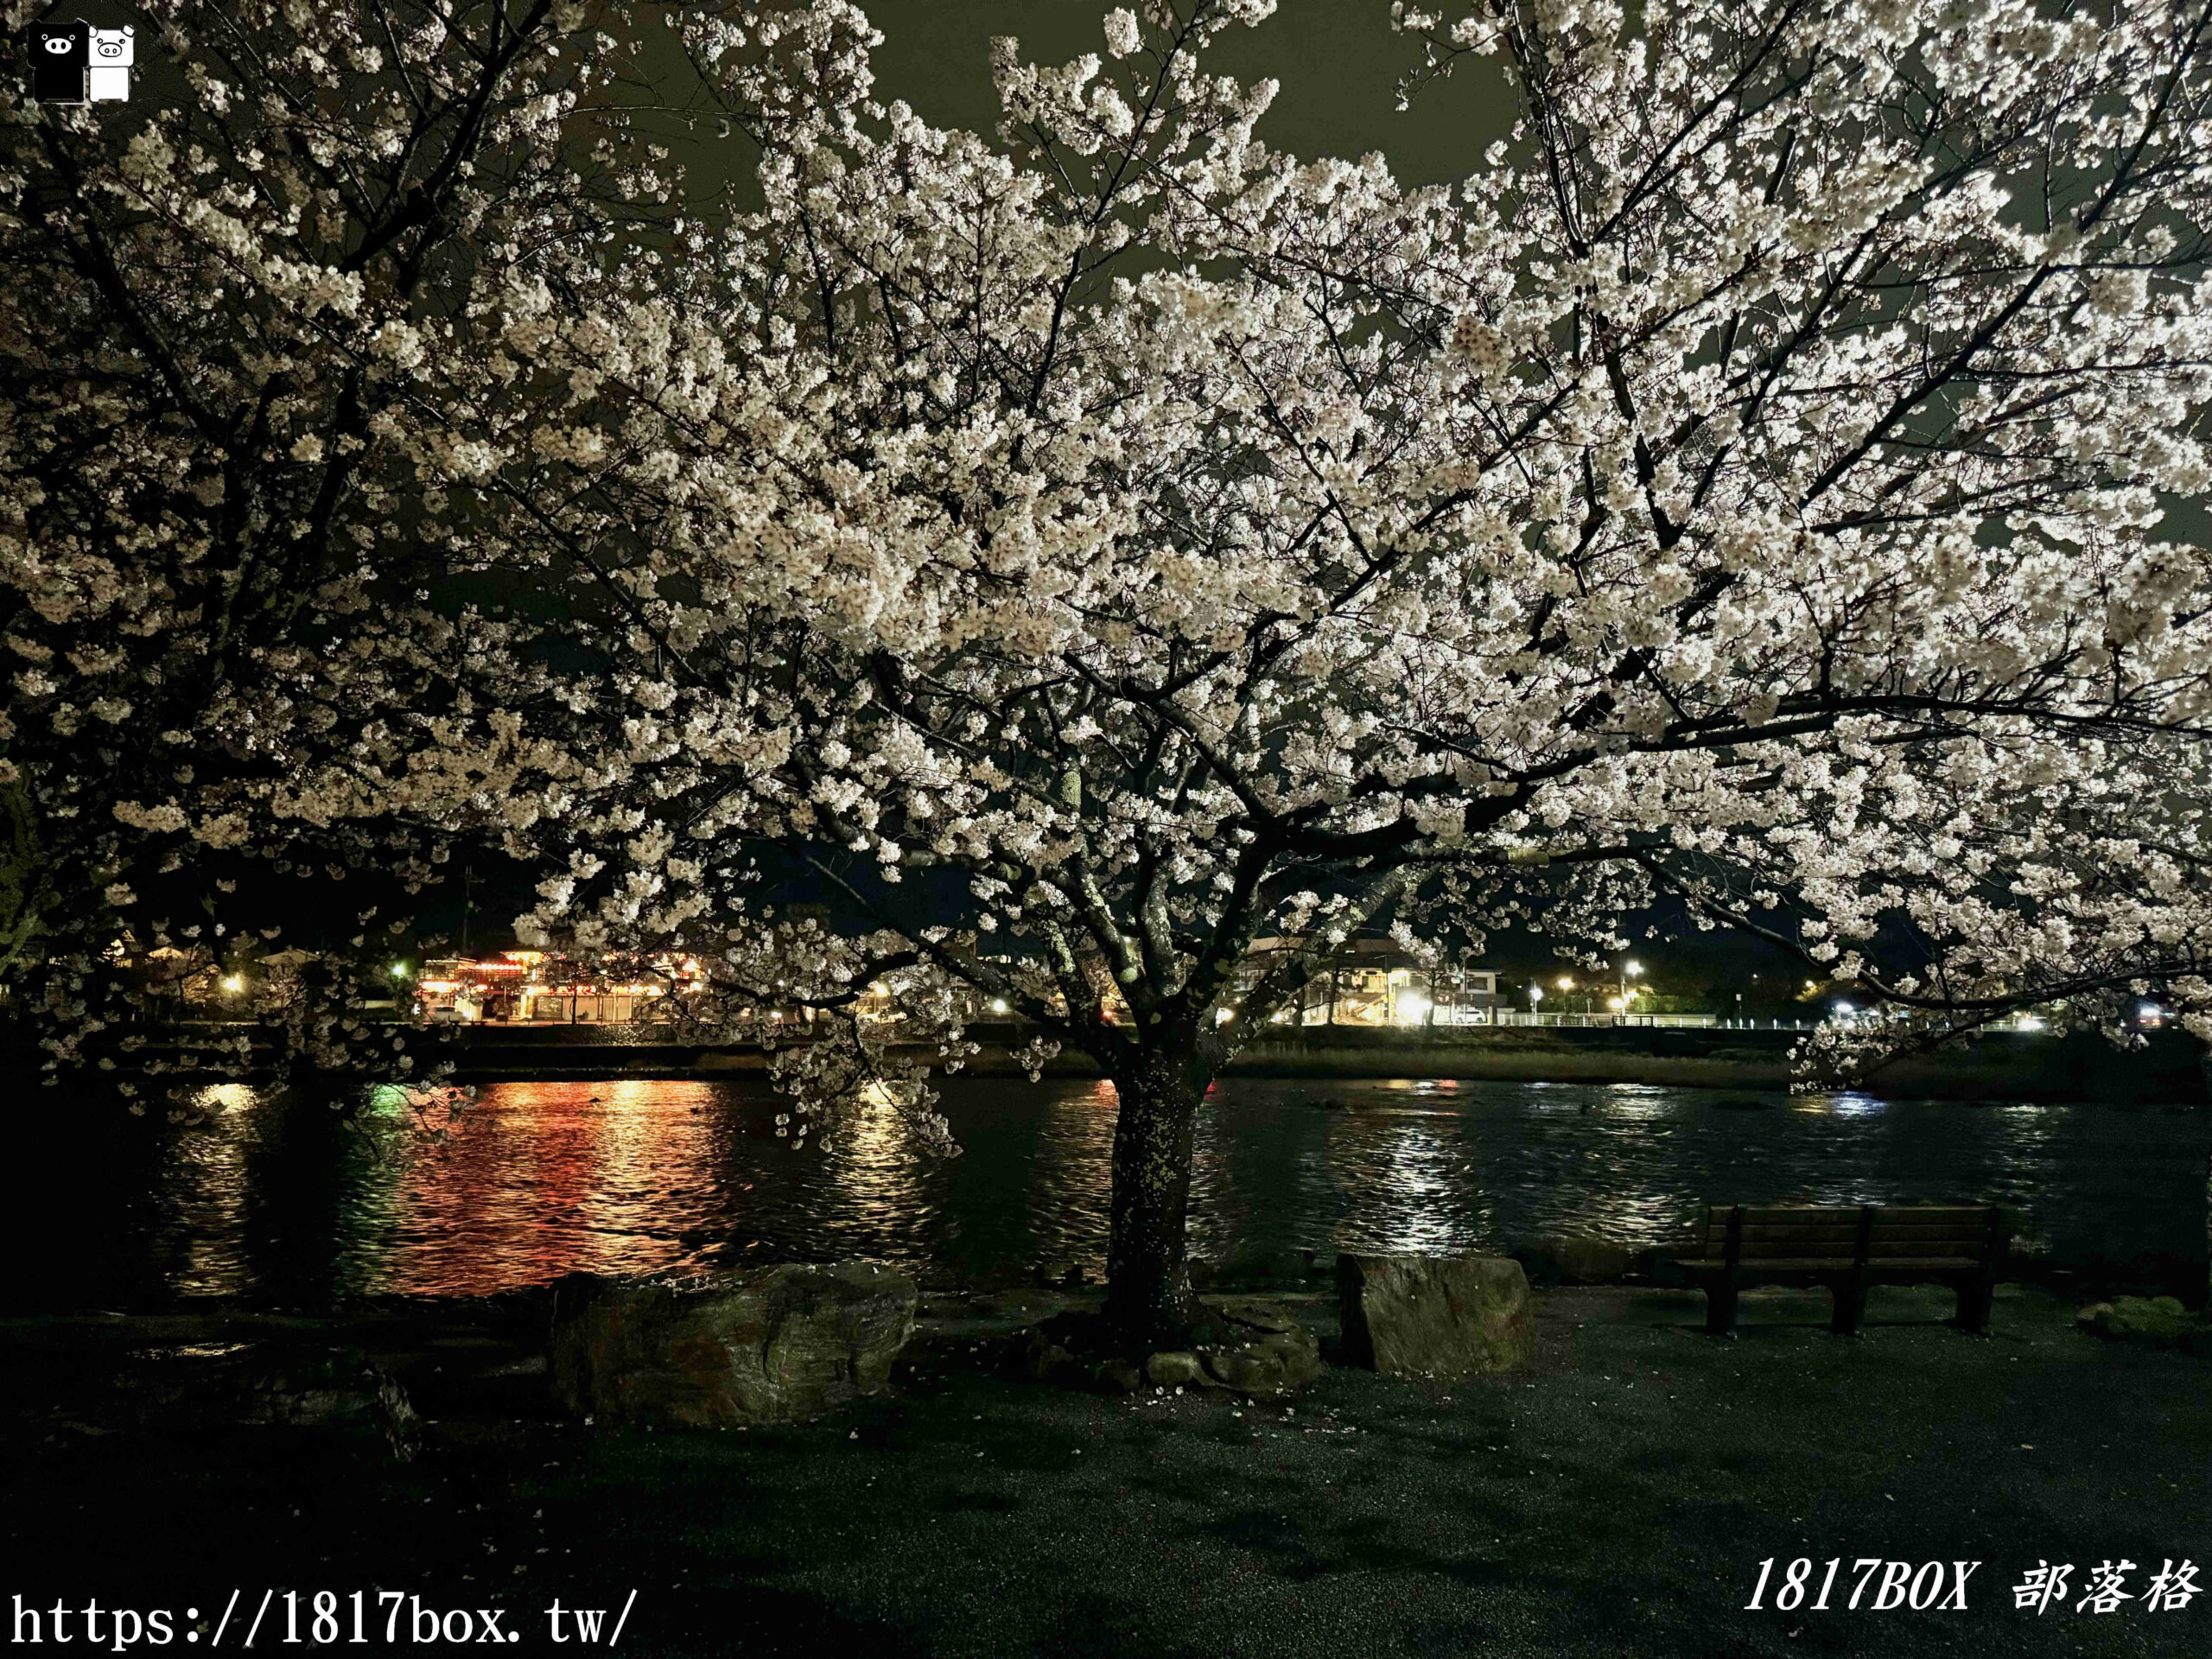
1618	1002
2149	1016
237	981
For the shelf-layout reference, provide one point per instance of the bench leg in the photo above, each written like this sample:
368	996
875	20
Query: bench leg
1720	1305
1849	1305
1974	1297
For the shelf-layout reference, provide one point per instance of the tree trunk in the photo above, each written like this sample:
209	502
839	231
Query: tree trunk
1148	1300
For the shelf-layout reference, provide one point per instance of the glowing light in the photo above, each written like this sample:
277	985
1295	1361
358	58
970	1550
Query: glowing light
1617	1003
1633	968
399	970
1411	1010
1565	983
235	982
998	1005
1845	1009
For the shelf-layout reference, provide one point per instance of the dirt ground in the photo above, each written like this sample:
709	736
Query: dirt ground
1617	1499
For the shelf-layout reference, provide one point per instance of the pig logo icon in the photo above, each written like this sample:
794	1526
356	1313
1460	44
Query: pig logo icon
60	54
109	73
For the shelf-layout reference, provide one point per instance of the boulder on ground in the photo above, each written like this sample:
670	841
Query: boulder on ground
778	1345
341	1391
1576	1260
2157	1322
211	1387
1071	1360
1435	1316
1119	1375
1256	1347
1253	1271
1240	1344
1173	1370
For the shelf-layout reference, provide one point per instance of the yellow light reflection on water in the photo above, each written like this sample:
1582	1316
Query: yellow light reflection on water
1846	1105
546	1179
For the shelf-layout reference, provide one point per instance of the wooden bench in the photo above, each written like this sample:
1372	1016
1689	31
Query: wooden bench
1848	1247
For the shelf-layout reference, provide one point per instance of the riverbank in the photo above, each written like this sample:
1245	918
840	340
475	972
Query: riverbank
2023	1066
1617	1498
2008	1066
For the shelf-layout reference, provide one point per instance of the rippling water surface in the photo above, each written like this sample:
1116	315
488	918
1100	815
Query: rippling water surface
281	1202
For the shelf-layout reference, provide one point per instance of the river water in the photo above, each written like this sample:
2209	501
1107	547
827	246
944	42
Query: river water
281	1203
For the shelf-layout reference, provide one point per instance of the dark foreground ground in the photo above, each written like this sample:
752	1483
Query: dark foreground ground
1616	1501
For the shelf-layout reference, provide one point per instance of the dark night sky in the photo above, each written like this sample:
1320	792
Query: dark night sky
1338	60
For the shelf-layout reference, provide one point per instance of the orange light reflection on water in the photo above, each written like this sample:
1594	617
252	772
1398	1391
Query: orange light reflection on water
546	1179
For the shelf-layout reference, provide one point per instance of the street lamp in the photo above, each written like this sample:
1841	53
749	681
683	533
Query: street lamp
1629	969
1536	997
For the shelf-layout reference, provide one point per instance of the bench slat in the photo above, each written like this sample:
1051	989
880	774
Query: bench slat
1783	1214
1828	1237
1915	1242
1836	1264
1945	1246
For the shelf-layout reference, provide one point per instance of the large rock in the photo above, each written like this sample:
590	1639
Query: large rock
1575	1260
1173	1369
219	1386
2154	1322
1257	1348
339	1391
1435	1316
776	1347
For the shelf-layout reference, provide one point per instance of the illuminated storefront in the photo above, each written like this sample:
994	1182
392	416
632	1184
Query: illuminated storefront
531	988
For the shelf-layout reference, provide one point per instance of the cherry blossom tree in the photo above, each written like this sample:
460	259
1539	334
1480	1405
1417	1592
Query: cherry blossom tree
1087	548
218	557
1749	485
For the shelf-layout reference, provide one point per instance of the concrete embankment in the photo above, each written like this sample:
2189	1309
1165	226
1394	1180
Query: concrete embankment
2023	1066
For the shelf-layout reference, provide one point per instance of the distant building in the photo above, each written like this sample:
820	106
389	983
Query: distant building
534	987
1371	981
1377	983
